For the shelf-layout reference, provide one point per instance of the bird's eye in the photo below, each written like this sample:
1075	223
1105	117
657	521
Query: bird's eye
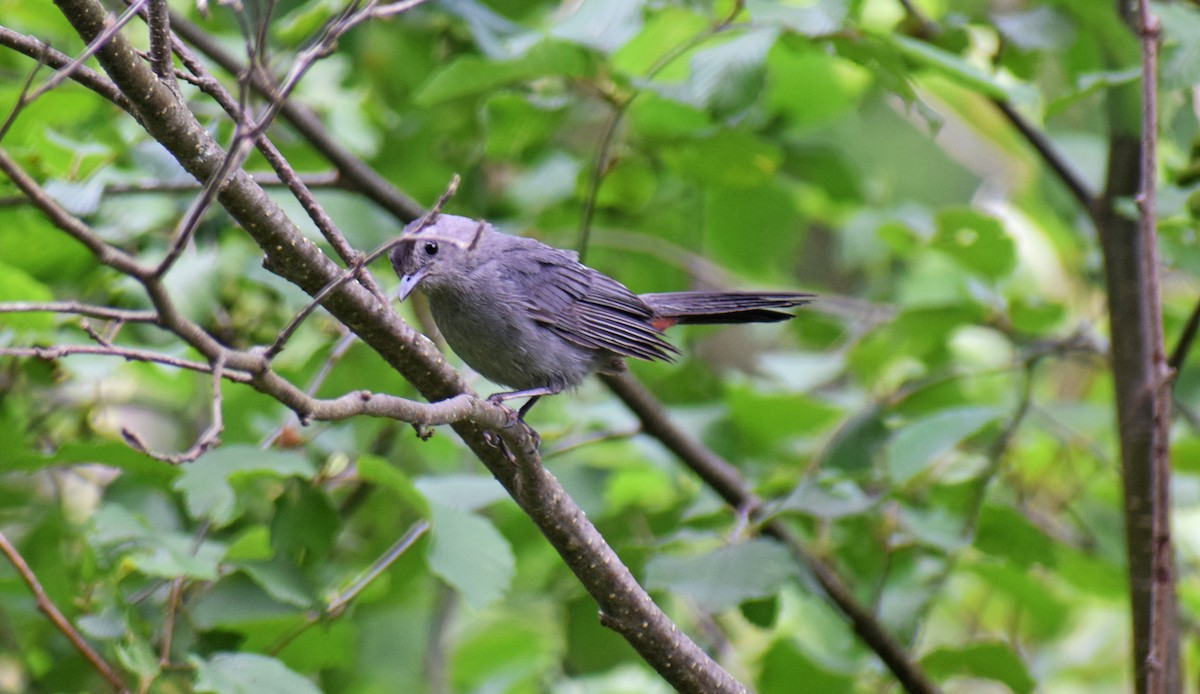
431	248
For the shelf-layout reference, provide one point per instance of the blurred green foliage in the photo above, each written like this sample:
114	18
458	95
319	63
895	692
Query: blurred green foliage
938	426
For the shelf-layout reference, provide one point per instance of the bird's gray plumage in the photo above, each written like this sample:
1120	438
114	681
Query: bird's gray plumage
532	317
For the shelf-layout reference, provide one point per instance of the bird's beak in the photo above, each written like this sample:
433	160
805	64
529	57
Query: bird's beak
410	282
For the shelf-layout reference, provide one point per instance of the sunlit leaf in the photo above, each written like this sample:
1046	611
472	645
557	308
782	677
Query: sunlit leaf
248	673
917	446
994	661
206	484
471	75
470	555
726	576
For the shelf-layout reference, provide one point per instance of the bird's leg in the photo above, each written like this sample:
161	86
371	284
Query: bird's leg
532	393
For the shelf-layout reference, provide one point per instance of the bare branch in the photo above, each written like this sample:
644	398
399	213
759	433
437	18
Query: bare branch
353	171
159	20
727	481
336	606
34	48
46	605
1162	666
106	254
93	46
209	439
59	351
264	179
1186	338
23	98
105	312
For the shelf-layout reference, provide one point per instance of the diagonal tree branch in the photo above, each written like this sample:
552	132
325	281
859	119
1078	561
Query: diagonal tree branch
626	606
727	481
47	606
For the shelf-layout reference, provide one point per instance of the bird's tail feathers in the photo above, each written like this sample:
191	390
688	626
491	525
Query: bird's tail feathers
723	307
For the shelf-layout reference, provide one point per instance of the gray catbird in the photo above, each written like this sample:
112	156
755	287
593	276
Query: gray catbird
532	317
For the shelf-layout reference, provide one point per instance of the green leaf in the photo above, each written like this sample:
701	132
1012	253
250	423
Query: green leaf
247	673
17	285
976	242
153	551
138	657
206	483
916	446
375	469
281	580
471	75
106	625
727	77
951	65
994	661
784	667
1002	531
726	158
601	24
838	500
305	523
765	420
808	18
1180	63
726	576
173	555
857	444
470	554
236	603
111	453
517	123
751	228
461	492
811	86
662	33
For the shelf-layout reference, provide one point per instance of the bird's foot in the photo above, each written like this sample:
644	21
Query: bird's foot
512	415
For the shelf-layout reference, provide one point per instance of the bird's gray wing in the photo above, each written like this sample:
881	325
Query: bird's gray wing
586	307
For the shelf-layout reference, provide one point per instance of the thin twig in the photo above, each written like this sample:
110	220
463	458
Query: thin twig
173	599
600	168
59	351
210	438
73	307
23	97
46	605
264	179
354	172
283	169
42	52
350	272
1066	173
728	483
335	355
93	46
928	29
1184	345
338	604
159	20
